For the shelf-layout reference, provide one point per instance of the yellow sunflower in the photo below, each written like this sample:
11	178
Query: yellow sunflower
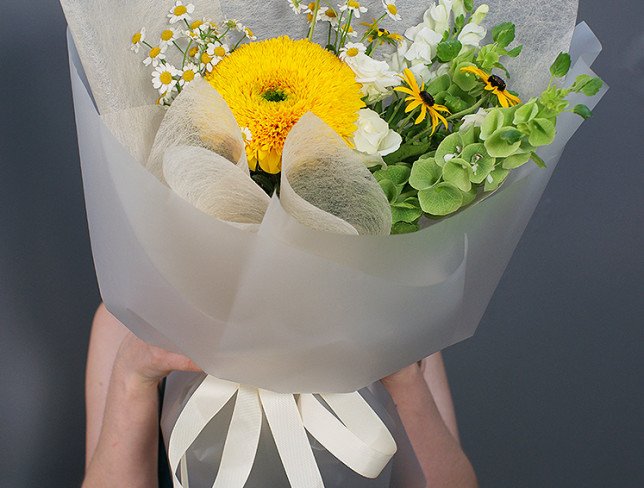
418	97
496	85
270	85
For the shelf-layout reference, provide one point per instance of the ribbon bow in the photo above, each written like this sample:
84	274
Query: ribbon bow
355	434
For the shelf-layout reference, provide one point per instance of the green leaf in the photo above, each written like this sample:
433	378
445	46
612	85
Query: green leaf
407	151
465	81
503	142
459	22
469	136
492	122
398	174
390	189
515	51
404	228
469	5
495	178
583	111
586	84
441	199
542	132
447	50
537	160
452	144
503	34
469	196
404	212
515	160
455	104
526	113
455	172
488	56
561	66
438	84
424	173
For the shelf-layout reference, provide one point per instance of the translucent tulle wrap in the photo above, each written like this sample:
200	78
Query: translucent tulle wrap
301	294
289	308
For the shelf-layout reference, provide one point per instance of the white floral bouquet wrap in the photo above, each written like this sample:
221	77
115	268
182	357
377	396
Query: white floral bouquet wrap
295	306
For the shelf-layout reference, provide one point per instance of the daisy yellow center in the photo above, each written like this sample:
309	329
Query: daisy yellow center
352	51
312	6
188	75
331	13
193	51
165	78
353	4
309	17
136	38
393	10
270	85
205	58
166	35
155	51
249	32
196	24
220	51
180	10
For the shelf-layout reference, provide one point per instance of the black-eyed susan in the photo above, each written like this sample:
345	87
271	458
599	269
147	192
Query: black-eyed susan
270	85
418	97
494	84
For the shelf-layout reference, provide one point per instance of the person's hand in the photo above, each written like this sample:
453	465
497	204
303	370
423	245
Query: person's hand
145	365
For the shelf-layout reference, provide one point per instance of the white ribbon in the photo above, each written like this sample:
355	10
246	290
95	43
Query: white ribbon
351	431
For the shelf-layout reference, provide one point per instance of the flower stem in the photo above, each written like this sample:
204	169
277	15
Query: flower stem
467	111
314	20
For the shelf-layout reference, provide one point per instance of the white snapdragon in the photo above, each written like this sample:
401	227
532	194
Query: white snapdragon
472	35
374	136
375	76
480	14
423	47
474	120
437	16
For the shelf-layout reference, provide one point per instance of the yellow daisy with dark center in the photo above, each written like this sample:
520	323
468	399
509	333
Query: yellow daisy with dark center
496	85
270	85
418	97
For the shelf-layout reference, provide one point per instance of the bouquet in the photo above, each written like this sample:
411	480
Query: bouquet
309	204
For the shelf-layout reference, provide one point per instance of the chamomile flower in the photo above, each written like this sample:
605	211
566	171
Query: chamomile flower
247	135
180	12
164	78
354	7
234	24
212	55
351	50
155	56
327	14
391	9
193	52
189	73
249	34
137	40
297	6
168	36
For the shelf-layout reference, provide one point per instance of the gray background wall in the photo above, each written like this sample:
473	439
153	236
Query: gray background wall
548	392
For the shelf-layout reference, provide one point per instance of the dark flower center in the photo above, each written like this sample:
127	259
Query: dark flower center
274	95
497	82
427	98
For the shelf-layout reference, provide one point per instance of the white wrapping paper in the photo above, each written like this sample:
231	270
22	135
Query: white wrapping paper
292	309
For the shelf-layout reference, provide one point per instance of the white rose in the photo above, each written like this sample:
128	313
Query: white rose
374	136
375	76
474	120
471	35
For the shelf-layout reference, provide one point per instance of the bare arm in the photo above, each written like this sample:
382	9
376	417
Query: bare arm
423	401
123	374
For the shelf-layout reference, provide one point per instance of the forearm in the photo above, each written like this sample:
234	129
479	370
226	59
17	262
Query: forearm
126	454
438	451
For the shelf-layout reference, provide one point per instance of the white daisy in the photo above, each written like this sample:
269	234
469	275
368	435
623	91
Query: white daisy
189	73
297	6
247	135
351	50
353	6
234	24
180	12
137	40
249	34
168	36
326	14
212	55
155	56
164	78
392	9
